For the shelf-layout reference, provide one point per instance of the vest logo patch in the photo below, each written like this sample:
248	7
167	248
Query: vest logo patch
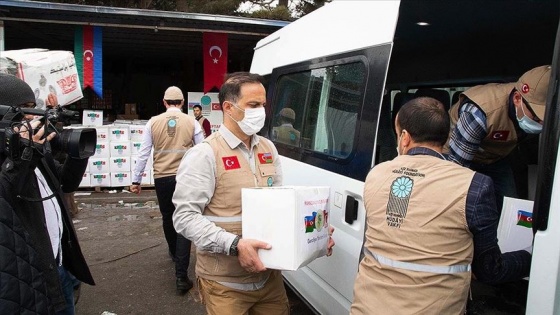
397	206
265	158
231	162
499	135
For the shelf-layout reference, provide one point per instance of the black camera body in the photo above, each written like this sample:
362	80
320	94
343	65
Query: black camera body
77	143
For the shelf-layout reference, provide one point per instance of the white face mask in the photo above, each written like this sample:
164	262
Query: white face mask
253	121
527	124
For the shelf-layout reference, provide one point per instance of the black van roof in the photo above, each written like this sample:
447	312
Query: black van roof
475	40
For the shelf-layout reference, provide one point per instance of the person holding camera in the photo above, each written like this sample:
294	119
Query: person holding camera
33	183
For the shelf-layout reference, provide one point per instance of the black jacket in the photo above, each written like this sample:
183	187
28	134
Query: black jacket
19	181
23	286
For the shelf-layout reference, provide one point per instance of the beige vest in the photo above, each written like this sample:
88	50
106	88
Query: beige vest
172	137
286	134
415	208
501	139
226	203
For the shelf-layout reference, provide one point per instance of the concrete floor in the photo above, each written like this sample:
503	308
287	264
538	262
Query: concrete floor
122	239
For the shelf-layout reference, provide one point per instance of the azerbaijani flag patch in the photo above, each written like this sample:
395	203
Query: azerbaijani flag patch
265	158
525	218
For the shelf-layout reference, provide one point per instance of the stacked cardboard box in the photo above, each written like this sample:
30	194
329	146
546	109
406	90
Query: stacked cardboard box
115	157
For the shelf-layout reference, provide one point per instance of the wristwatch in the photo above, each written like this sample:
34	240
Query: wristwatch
136	183
233	248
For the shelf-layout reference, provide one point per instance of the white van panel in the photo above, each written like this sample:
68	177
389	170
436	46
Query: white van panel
333	275
544	284
344	26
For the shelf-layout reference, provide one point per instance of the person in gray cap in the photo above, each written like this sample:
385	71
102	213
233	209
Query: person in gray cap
33	183
488	121
286	133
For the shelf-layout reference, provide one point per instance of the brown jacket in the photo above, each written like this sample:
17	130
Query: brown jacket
224	209
418	247
501	139
172	137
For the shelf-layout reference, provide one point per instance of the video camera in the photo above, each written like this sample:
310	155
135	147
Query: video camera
77	143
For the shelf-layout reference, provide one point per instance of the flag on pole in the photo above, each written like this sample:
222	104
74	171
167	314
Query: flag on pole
215	59
88	51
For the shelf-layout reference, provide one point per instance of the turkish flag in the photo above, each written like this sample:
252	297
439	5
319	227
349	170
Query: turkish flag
215	59
231	162
500	135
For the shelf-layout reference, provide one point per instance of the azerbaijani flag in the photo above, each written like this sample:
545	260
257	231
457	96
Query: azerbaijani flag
310	223
88	51
525	218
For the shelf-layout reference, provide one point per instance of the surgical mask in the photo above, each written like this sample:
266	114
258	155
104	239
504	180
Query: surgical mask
253	121
527	124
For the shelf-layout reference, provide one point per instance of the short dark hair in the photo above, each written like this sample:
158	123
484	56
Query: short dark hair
197	106
425	119
173	102
232	85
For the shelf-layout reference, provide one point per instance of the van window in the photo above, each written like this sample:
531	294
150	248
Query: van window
325	103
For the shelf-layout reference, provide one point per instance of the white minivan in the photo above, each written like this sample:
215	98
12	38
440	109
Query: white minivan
346	69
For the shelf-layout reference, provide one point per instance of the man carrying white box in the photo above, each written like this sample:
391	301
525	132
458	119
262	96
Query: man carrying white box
172	134
231	277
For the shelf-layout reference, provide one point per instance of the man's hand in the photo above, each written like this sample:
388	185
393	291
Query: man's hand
248	257
135	189
52	100
24	132
331	243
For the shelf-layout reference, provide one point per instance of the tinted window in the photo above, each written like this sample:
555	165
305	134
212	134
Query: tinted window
318	109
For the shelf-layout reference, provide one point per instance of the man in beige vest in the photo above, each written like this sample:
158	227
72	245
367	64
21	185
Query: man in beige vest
204	123
231	278
429	223
172	134
489	120
286	133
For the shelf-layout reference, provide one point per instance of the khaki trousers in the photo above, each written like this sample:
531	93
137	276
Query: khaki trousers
222	300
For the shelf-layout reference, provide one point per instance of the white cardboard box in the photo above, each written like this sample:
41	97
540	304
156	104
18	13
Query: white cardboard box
102	134
103	180
119	164
146	177
120	179
98	165
86	180
118	133
46	72
92	117
292	219
515	230
149	162
136	132
102	150
120	148
135	147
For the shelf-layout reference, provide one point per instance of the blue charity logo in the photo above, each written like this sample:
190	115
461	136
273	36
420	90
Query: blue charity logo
402	187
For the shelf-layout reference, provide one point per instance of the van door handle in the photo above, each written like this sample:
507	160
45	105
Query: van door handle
351	212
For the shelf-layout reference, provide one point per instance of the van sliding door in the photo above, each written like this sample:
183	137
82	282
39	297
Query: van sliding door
328	139
544	282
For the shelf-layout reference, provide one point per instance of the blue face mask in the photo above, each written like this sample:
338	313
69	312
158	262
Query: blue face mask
527	124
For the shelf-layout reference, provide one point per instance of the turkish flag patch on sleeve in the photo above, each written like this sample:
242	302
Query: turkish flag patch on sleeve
499	135
231	162
265	158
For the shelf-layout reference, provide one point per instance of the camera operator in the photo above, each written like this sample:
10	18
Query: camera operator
33	183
